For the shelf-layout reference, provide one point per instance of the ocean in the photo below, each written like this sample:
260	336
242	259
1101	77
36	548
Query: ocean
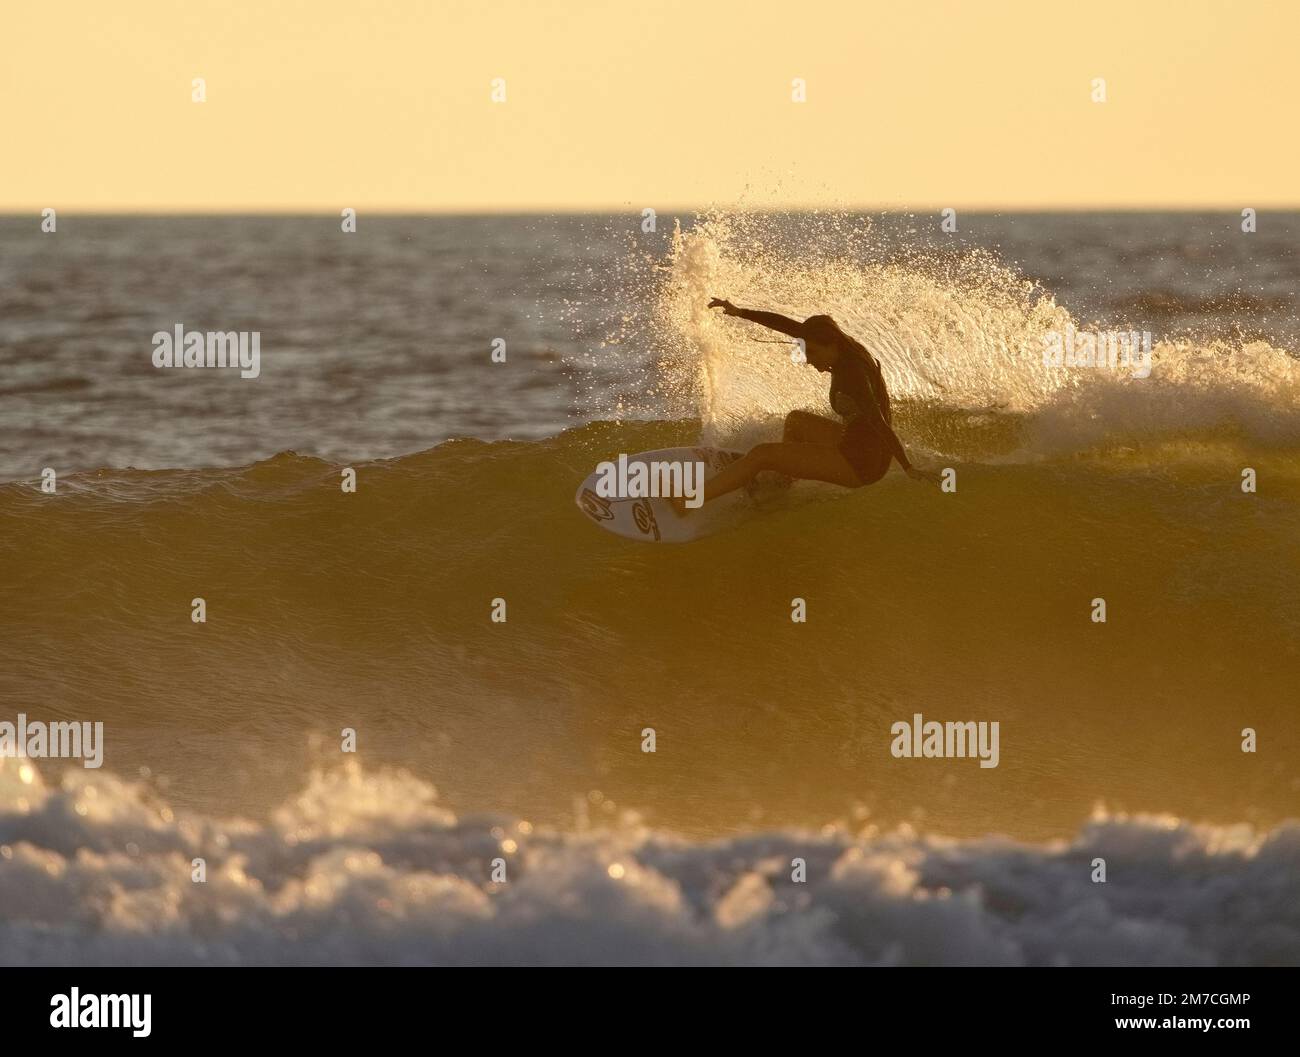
522	741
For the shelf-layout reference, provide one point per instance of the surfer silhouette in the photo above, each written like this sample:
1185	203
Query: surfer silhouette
812	447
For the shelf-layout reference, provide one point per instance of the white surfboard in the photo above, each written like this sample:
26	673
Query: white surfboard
652	519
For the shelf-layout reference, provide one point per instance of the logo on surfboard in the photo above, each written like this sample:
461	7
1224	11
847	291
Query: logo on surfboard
644	515
594	506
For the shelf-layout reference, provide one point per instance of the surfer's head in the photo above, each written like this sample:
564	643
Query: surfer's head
823	341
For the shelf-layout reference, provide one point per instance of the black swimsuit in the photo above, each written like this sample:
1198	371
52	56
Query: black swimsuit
857	388
858	395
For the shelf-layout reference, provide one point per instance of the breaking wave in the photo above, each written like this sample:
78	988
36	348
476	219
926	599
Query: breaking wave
367	868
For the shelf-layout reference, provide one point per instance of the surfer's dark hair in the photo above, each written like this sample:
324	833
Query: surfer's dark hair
825	330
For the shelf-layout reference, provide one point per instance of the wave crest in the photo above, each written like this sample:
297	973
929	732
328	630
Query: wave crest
956	336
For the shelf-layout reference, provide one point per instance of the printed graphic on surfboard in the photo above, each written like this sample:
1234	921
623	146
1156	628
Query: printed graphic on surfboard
651	518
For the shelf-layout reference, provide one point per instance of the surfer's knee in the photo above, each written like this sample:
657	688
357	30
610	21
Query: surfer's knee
763	456
795	424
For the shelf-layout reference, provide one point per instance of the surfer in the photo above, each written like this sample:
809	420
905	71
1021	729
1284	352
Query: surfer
813	447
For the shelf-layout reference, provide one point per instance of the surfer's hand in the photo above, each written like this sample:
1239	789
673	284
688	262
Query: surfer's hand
727	307
917	474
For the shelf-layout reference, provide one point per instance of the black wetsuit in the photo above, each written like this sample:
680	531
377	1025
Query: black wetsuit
858	395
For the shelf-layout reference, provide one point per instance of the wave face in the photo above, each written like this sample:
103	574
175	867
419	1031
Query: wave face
364	868
372	610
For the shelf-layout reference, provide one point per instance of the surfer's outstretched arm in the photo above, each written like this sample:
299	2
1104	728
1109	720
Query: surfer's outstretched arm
771	320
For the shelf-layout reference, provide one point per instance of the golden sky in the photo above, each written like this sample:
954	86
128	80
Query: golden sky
313	105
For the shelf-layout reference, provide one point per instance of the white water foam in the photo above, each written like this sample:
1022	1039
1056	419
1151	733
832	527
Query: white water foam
367	868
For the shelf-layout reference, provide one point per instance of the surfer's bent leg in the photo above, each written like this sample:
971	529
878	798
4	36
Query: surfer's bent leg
808	462
812	429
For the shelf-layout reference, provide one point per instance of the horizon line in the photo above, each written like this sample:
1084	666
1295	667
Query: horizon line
607	210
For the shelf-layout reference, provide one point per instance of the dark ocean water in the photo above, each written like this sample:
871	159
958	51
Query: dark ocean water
378	343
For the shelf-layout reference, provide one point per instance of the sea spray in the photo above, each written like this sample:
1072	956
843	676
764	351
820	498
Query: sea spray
959	334
961	331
